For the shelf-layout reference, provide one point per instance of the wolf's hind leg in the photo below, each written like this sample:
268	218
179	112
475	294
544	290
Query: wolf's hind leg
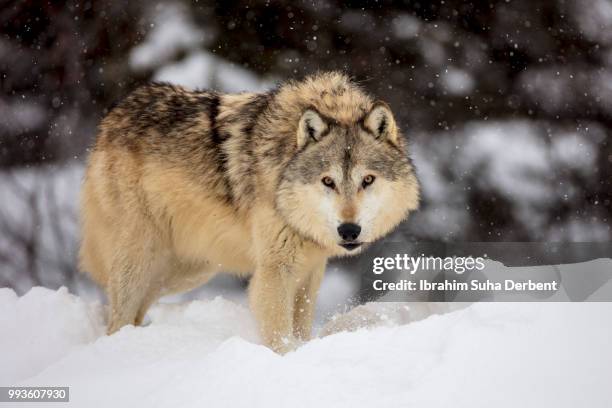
134	269
127	290
150	298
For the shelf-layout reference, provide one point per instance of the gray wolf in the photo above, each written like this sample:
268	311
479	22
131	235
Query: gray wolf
181	185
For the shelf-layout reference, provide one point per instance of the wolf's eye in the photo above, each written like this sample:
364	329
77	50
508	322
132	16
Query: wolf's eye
367	180
328	182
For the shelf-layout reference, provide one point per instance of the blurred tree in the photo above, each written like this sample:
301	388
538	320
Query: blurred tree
61	64
441	64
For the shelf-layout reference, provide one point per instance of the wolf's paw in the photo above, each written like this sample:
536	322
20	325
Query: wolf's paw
284	345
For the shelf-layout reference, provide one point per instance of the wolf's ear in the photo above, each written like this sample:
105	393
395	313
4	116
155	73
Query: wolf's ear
311	127
381	124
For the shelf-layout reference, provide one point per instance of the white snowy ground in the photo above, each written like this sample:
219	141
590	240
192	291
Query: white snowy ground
207	354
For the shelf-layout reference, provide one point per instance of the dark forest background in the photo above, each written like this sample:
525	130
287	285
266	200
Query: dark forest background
507	104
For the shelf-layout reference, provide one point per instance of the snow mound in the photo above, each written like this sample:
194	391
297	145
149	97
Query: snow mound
40	328
207	353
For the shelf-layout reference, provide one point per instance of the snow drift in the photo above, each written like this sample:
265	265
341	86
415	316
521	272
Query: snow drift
207	353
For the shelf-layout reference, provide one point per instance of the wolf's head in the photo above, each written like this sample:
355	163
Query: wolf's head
348	184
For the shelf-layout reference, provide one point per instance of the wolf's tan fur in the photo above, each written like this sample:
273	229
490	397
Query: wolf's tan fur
182	185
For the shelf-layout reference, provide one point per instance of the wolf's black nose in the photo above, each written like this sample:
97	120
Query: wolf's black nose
349	231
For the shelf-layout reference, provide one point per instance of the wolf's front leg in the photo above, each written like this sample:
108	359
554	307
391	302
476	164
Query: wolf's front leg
305	301
271	295
284	263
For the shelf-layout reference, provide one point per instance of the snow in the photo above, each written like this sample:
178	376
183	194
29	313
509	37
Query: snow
41	327
532	165
594	17
580	231
406	26
207	353
575	152
518	170
174	34
171	31
204	70
18	116
432	50
561	89
457	81
337	290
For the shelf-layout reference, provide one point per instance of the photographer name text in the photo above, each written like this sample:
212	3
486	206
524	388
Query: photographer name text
473	285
